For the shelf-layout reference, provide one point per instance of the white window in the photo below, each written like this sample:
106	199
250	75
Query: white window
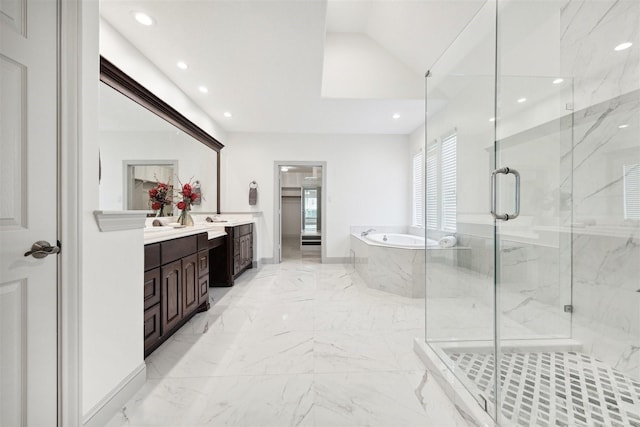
432	188
441	205
448	182
631	174
418	190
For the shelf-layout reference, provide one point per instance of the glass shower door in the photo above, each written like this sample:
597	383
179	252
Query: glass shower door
459	157
533	114
532	183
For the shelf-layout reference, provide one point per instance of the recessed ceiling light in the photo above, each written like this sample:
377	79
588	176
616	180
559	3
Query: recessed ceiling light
203	89
623	126
492	119
182	65
143	18
284	169
558	81
521	100
623	46
227	114
396	116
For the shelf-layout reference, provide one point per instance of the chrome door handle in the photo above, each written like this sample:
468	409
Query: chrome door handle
505	171
42	249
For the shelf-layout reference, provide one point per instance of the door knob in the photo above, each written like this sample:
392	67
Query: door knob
41	249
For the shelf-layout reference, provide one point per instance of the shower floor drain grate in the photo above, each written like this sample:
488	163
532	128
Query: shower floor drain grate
562	389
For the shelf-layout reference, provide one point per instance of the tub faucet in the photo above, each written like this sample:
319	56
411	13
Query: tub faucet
365	233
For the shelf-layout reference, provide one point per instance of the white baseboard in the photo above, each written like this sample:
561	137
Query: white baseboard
113	402
336	260
325	260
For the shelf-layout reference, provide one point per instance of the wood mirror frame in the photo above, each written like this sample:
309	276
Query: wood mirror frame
120	81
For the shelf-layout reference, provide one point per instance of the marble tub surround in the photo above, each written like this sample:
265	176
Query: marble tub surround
296	343
399	271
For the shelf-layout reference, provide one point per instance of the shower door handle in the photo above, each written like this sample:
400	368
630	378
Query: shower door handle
505	171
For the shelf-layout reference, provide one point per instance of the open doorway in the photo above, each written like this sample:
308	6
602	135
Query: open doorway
299	212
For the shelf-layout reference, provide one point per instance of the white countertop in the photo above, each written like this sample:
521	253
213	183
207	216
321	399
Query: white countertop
230	223
160	234
213	229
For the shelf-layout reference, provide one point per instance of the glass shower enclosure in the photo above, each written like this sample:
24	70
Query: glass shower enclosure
533	165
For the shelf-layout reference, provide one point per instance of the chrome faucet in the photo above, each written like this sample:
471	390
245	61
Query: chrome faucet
364	233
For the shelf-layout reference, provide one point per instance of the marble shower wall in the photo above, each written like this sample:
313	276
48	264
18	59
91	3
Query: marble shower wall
534	283
606	239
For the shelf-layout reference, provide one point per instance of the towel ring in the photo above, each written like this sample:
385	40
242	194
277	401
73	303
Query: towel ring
253	184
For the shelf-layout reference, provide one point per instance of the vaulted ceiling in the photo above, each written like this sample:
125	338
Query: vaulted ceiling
299	66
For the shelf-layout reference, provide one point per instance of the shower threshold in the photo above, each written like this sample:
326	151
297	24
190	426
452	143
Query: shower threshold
539	385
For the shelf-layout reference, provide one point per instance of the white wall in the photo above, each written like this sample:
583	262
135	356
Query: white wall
416	141
349	62
367	176
111	273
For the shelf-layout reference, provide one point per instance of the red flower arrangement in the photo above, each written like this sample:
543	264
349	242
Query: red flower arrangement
159	197
188	197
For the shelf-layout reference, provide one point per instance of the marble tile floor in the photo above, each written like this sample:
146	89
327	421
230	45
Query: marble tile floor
294	344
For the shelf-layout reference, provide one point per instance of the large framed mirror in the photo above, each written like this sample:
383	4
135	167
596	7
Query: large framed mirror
145	142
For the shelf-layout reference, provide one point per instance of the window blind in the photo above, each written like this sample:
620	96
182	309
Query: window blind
432	188
631	191
448	183
418	188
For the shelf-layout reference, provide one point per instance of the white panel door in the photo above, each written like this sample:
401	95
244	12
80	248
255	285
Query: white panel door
28	200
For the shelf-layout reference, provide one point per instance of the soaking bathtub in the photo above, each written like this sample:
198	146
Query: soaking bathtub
406	241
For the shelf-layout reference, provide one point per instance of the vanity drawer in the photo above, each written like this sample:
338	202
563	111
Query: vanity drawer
203	242
151	256
217	242
151	287
152	331
172	250
203	263
243	230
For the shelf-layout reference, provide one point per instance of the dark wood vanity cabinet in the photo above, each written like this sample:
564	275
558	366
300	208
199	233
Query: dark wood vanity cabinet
152	306
241	237
190	282
203	281
176	285
171	288
239	255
